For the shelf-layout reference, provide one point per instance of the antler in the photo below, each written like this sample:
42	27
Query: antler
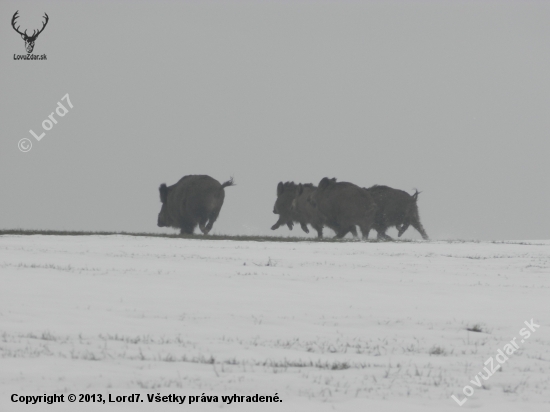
15	16
43	25
34	33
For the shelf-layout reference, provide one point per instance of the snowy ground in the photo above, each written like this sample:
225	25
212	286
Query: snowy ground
326	326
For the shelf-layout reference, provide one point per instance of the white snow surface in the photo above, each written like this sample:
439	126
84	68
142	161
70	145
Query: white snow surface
350	326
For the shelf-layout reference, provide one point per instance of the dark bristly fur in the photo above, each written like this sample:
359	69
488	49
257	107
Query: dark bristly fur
163	193
395	208
304	210
292	207
193	200
344	205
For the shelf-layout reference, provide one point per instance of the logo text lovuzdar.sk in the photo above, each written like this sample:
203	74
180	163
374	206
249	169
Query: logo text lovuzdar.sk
29	39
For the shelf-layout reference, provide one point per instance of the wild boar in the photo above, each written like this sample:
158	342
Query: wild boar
344	205
194	199
293	208
394	208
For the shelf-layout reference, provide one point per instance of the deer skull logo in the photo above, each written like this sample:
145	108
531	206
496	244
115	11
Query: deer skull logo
29	40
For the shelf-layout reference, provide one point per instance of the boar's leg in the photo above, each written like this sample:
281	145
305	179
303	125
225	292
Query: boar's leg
335	227
278	224
290	225
403	228
208	227
186	227
381	232
369	221
202	224
340	233
383	236
319	229
211	220
304	227
365	230
418	226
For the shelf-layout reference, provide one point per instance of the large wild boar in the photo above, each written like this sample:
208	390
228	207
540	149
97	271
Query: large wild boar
344	205
292	207
395	208
195	199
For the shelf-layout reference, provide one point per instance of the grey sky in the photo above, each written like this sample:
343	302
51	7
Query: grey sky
451	98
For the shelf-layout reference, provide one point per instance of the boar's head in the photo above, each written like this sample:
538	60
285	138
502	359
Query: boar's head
286	192
164	217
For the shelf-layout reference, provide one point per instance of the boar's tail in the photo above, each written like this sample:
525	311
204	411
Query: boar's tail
415	196
228	183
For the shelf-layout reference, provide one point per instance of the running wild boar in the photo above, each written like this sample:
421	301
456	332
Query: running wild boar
292	207
344	205
195	199
395	208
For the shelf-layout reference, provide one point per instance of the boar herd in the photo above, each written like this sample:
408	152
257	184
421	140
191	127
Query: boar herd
341	206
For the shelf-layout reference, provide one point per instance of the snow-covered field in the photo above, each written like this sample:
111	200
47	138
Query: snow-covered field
348	326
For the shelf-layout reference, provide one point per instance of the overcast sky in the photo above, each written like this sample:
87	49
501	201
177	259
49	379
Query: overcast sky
450	97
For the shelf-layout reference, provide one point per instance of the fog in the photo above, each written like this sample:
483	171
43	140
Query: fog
450	98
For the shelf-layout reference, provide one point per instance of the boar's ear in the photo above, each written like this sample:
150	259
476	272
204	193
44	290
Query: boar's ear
280	188
325	181
300	189
163	193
